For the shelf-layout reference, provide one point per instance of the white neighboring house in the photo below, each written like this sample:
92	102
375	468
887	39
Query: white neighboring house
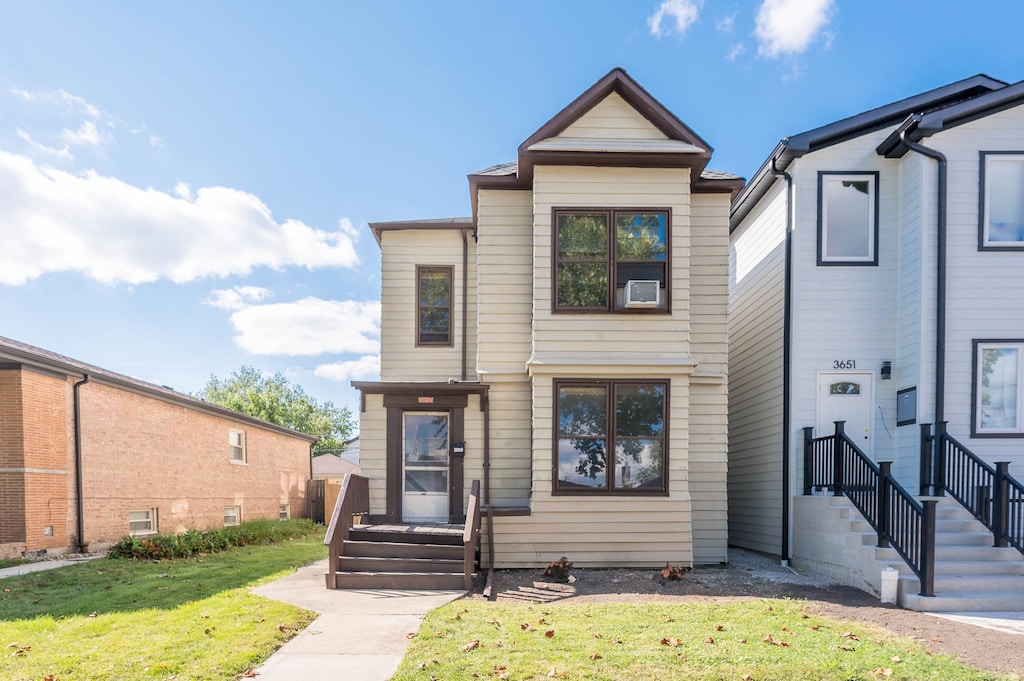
875	278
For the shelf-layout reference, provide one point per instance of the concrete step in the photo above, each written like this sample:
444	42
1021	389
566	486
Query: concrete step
970	602
978	553
441	581
967	584
373	564
383	549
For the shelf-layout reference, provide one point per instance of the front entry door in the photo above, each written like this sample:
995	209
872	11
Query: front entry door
847	396
425	466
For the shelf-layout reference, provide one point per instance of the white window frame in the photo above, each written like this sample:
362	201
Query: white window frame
236	511
988	162
980	346
826	177
236	446
151	519
284	512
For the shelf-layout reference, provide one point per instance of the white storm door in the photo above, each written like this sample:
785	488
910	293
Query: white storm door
847	396
425	466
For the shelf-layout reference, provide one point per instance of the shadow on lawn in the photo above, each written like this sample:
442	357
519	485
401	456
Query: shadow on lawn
104	586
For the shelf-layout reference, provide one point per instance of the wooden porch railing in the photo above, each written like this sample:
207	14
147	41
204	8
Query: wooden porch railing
900	521
989	492
354	499
471	535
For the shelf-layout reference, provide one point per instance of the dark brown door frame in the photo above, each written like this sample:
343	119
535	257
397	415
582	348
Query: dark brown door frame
396	406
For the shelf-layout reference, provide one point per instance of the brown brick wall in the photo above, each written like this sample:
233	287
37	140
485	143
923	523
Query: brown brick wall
139	452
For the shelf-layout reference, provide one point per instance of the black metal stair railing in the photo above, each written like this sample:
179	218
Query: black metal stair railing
900	521
988	491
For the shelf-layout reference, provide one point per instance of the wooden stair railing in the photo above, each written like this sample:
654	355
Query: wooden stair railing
354	499
471	535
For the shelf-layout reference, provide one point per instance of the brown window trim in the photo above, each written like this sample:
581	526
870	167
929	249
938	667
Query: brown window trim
610	261
450	271
610	384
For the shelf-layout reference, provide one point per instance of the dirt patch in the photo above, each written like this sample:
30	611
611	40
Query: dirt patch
749	575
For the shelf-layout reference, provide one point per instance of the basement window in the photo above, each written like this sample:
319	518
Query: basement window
142	523
232	516
283	512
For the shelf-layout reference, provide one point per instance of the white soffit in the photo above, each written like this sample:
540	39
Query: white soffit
615	145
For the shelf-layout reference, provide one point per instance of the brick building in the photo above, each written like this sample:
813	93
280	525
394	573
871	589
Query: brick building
88	456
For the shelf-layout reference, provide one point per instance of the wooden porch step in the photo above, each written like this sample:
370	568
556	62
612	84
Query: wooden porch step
398	535
348	563
441	581
385	549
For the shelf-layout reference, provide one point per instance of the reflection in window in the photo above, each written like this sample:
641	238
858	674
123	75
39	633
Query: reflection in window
635	425
434	305
847	218
1002	223
844	388
999	393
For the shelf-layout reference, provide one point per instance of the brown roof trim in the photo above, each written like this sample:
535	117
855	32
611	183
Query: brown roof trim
718	185
442	223
30	357
419	388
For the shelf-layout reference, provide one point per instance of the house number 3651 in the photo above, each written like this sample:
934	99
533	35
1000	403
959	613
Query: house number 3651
844	364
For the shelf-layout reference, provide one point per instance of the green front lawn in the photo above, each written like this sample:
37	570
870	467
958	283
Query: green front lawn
741	641
122	619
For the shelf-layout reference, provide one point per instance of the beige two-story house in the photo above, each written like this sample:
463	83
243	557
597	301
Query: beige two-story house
565	345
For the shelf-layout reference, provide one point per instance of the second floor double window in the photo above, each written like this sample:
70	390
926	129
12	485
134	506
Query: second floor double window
611	260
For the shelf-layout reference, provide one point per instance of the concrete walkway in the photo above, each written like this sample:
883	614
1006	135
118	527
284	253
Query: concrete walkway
26	568
358	635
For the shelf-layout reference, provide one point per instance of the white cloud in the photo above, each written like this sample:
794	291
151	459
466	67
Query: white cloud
237	297
71	103
726	24
674	16
64	152
87	134
364	368
790	26
735	51
346	227
111	231
310	326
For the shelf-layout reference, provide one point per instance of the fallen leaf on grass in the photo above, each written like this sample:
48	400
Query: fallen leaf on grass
595	656
709	640
775	641
458	616
498	644
557	674
422	665
848	649
94	614
850	635
896	658
747	677
439	634
411	635
598	636
719	627
671	642
49	677
500	672
496	623
526	627
250	674
616	640
549	633
882	672
21	651
472	645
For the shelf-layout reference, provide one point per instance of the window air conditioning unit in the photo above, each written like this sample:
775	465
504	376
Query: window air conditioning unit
642	293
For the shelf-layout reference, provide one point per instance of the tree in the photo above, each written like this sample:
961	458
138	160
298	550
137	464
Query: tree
274	399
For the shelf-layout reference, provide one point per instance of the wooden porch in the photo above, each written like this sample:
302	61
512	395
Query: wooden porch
441	556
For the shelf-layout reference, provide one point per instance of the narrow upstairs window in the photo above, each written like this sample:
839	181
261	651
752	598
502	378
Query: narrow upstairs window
434	306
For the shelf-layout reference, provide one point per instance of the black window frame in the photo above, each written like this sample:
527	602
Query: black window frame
610	386
984	243
874	211
449	271
611	261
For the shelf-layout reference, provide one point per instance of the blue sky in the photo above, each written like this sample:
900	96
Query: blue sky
185	187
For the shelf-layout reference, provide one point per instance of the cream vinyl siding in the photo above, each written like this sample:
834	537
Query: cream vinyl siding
983	287
601	530
613	117
401	252
757	281
629	334
373	451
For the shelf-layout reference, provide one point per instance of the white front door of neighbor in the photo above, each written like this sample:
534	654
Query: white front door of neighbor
847	396
425	466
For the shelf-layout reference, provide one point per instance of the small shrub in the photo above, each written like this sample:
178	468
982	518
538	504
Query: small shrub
193	542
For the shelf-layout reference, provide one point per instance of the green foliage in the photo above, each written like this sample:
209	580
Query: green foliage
194	542
275	399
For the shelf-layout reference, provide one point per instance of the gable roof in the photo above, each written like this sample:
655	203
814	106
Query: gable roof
790	148
15	354
683	148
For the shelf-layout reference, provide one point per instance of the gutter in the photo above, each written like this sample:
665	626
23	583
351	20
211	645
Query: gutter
486	404
787	353
79	496
465	295
940	278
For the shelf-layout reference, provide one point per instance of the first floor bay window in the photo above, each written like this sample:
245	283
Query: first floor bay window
610	436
